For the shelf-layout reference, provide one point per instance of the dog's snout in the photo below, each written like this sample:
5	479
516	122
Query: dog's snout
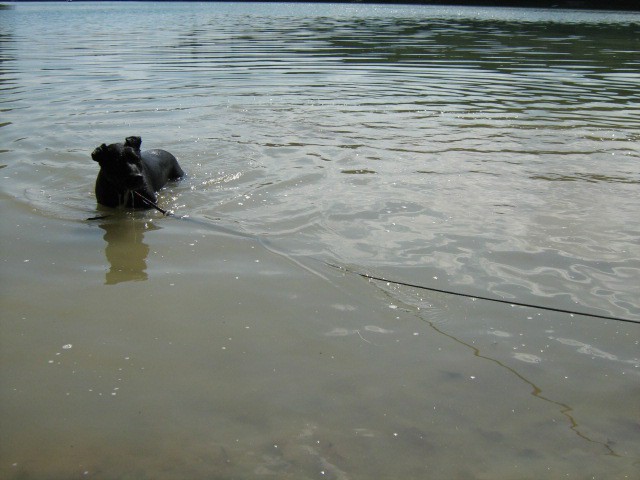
133	169
137	180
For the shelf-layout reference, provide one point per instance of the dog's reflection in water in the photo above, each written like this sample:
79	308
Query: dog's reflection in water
126	251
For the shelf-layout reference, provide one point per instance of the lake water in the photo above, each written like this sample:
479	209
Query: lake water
493	152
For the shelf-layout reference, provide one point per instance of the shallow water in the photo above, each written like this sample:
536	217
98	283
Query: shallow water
489	151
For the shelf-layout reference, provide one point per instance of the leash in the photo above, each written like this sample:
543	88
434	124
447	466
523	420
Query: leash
488	299
150	203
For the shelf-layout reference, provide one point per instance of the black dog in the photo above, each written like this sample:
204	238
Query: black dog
125	170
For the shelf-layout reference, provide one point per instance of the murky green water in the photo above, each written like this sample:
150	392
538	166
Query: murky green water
489	151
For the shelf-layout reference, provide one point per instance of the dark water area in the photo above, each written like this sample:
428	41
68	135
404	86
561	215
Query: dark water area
490	151
550	4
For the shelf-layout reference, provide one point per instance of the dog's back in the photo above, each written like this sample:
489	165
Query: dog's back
161	167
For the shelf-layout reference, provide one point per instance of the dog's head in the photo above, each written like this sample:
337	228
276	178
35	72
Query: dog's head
121	164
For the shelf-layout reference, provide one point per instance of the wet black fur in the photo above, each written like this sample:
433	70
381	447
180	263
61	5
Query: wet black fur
125	169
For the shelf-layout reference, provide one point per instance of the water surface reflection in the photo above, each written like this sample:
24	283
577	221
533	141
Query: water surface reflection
126	250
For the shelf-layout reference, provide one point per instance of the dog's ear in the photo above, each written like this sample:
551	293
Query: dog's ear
133	142
99	153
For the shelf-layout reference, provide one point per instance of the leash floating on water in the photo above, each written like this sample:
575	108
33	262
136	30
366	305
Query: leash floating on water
488	299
